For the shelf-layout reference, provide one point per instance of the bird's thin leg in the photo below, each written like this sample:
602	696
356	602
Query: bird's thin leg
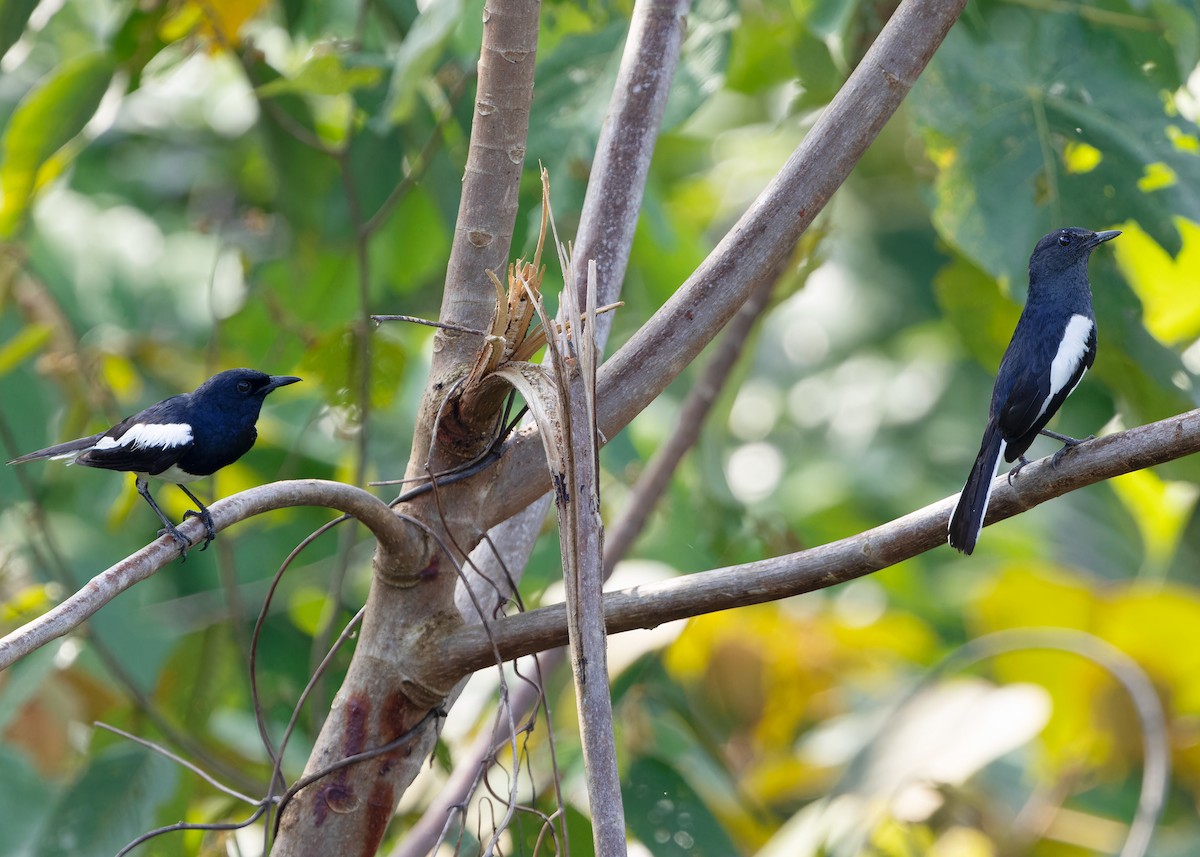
143	488
1022	463
1065	440
1068	443
204	515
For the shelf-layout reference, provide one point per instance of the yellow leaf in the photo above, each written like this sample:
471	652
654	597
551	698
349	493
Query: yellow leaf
1161	511
1156	177
1030	596
1081	158
963	842
27	602
1167	287
1182	141
218	20
121	376
306	607
1156	626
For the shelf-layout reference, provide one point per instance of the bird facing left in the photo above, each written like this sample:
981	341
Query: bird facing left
180	439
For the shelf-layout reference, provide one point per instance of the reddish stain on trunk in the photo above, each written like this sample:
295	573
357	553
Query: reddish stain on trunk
397	715
379	812
335	793
430	571
358	710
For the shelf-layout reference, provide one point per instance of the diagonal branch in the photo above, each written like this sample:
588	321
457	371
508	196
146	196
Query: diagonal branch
470	648
392	533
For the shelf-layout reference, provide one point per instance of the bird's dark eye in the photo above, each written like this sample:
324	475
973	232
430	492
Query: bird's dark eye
1064	240
243	386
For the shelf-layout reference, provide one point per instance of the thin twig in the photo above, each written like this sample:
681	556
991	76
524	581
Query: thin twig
189	825
179	760
444	325
260	620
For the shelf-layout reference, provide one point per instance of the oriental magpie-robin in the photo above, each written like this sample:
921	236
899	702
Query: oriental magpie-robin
1053	345
180	439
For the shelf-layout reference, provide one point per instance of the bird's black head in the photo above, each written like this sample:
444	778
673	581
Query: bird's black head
239	391
1064	249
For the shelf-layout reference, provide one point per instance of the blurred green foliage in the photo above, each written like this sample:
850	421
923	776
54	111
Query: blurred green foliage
192	186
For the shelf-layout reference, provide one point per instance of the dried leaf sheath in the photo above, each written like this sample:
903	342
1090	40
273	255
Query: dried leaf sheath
513	336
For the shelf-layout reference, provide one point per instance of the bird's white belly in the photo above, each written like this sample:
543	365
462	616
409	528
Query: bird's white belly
174	474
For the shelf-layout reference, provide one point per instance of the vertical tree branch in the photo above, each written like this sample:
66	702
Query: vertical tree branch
495	158
486	214
412	600
581	533
618	539
623	152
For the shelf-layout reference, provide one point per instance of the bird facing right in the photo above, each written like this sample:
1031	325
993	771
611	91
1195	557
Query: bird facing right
1053	345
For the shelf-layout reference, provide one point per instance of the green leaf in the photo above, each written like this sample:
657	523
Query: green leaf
48	118
323	75
760	47
25	344
111	804
667	815
25	801
702	60
1003	103
14	14
417	55
982	315
1037	120
575	81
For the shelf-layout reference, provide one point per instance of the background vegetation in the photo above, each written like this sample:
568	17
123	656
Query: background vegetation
192	186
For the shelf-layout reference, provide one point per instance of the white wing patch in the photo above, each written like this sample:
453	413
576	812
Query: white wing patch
146	435
1070	352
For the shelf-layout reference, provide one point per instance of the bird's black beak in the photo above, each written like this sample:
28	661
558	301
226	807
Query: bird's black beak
1101	237
281	381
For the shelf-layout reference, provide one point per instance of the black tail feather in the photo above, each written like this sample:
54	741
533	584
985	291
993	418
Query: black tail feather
967	519
62	450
